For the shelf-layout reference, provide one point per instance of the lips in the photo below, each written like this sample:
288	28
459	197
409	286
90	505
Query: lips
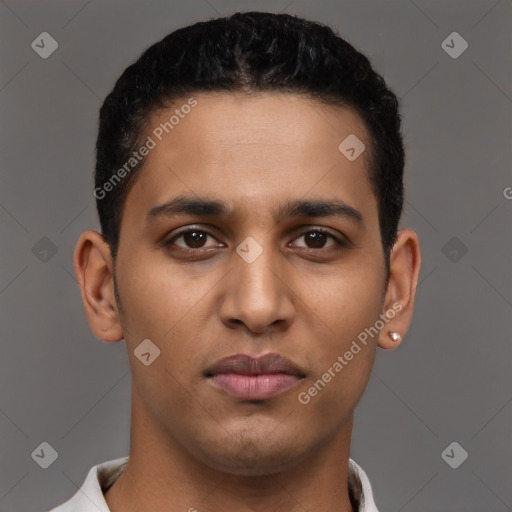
250	378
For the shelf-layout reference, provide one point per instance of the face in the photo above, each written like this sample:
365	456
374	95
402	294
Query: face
255	278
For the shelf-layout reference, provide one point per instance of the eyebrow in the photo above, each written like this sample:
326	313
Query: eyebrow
194	205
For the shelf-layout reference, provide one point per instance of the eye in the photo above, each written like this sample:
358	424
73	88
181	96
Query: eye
316	239
192	238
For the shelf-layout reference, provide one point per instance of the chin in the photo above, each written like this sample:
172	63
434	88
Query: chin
258	463
245	454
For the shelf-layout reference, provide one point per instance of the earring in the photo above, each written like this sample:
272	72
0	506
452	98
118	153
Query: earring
394	336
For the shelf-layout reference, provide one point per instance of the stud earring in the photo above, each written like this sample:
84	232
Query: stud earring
394	336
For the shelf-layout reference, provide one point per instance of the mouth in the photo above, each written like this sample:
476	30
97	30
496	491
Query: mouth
249	378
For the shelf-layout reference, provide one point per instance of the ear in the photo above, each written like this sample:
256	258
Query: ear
94	270
404	269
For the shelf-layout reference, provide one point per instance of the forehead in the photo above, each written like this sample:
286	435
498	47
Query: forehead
252	148
223	120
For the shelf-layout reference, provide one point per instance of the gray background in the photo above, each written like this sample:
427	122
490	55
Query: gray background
449	381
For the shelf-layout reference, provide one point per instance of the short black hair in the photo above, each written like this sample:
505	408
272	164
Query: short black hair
249	52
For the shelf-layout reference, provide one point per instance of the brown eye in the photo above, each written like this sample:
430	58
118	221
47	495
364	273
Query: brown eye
317	238
192	239
195	239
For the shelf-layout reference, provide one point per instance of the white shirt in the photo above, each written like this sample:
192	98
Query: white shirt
89	497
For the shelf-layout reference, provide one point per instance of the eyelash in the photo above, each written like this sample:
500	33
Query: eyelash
339	242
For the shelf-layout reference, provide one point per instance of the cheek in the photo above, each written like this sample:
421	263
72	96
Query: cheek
344	303
155	297
345	310
159	304
164	305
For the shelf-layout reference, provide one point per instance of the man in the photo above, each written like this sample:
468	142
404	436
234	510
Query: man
249	188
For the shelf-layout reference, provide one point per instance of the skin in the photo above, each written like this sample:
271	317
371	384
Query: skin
193	446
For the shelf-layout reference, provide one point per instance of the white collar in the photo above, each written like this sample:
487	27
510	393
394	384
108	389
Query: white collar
89	498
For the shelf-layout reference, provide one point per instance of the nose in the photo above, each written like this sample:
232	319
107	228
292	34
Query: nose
257	294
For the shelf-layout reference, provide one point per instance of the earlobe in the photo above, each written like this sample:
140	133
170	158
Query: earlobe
404	265
92	262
